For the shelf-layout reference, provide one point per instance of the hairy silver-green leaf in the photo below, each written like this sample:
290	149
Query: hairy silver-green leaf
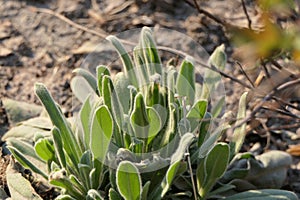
101	132
59	150
85	120
139	118
266	194
19	187
196	113
214	166
170	130
70	184
127	62
101	71
26	162
269	170
81	88
145	190
184	143
27	129
121	83
93	195
129	181
111	99
44	149
150	51
165	185
211	78
185	85
58	120
211	140
18	111
88	76
240	132
113	195
64	197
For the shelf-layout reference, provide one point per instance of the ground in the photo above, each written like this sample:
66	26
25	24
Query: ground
39	45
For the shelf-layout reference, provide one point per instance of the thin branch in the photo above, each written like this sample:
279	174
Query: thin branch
247	15
192	176
282	127
283	112
245	74
206	13
68	21
268	134
286	103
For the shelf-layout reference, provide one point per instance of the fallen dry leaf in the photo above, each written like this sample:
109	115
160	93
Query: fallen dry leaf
294	150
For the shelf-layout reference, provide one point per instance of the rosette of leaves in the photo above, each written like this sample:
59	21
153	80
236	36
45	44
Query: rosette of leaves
147	133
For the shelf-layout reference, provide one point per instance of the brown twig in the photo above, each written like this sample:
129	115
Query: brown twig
68	21
244	73
286	103
283	112
283	127
206	13
247	15
267	134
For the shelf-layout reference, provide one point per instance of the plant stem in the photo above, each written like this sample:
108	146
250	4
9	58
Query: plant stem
187	151
191	172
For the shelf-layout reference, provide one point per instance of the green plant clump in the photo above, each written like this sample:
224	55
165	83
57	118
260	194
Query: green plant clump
147	133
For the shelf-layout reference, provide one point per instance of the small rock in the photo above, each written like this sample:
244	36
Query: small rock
5	51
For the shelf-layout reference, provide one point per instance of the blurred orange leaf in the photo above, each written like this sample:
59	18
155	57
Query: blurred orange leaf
294	150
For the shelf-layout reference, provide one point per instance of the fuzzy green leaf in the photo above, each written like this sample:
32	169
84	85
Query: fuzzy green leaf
170	130
58	120
121	83
165	185
240	132
218	107
88	77
26	130
204	128
141	65
112	102
154	123
266	194
113	195
81	88
129	181
19	187
211	140
139	117
59	147
70	184
93	195
215	165
26	162
145	190
150	51
85	120
184	143
101	71
64	197
212	79
101	132
196	113
127	62
44	149
185	84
